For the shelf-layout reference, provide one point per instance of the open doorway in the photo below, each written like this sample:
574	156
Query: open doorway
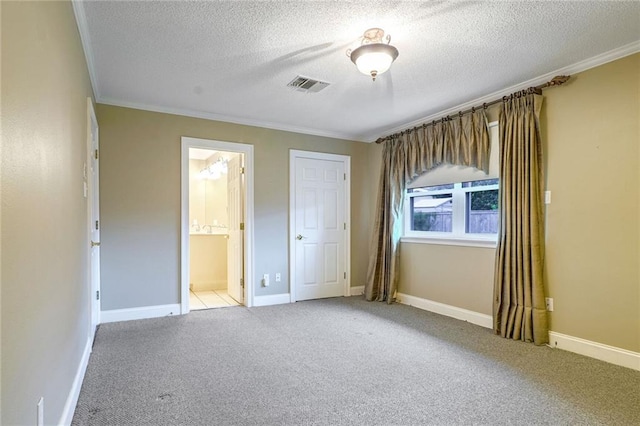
216	224
215	232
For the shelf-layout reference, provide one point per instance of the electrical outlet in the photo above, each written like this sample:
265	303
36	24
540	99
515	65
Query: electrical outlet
265	280
549	303
40	418
278	277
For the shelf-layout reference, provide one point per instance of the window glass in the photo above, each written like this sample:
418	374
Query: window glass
482	212
432	213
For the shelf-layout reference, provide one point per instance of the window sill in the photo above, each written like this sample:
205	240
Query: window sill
451	241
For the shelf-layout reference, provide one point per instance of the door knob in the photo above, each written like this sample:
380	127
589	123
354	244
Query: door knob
299	237
95	244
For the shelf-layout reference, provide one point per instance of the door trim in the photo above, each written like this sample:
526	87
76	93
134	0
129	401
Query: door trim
247	150
94	285
346	160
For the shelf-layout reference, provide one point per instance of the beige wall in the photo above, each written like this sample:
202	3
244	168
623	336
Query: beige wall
140	201
45	286
591	131
453	275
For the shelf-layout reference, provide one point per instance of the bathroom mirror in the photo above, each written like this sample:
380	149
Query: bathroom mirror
208	191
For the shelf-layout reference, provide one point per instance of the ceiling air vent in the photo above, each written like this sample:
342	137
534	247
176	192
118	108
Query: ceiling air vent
307	85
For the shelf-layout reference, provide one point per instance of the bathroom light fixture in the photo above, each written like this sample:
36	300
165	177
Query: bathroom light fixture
214	170
373	56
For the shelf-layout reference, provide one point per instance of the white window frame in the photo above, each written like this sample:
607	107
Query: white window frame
457	236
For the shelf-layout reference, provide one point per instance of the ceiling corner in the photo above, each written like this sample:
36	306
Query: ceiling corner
85	38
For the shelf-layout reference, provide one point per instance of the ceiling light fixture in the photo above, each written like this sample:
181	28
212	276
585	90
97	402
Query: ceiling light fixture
373	56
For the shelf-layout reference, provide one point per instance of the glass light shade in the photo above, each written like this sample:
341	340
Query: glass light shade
379	62
374	59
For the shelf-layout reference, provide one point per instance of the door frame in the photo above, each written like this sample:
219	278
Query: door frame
248	238
346	161
92	194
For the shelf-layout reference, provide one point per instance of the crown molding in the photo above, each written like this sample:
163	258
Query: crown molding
595	61
85	39
229	119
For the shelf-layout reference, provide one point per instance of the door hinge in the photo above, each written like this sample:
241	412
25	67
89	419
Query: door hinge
345	176
97	225
345	226
242	170
242	226
242	282
96	154
98	295
345	275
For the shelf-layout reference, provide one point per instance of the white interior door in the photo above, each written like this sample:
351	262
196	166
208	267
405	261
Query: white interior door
94	215
235	255
319	229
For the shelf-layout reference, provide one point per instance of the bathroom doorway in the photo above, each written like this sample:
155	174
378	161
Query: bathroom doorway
215	224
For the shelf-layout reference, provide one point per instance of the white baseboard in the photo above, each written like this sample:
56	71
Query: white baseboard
208	285
272	299
74	393
448	310
139	313
600	351
356	291
610	354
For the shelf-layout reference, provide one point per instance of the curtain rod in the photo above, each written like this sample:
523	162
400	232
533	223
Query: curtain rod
558	80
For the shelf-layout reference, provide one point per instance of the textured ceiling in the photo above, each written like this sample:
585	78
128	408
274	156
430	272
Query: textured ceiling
232	60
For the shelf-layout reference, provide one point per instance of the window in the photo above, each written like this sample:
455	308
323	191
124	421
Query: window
431	208
462	210
455	204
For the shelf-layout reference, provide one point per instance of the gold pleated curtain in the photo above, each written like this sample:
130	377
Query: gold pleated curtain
463	140
519	306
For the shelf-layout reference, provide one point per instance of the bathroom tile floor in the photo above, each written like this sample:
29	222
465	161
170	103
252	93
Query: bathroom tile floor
210	299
